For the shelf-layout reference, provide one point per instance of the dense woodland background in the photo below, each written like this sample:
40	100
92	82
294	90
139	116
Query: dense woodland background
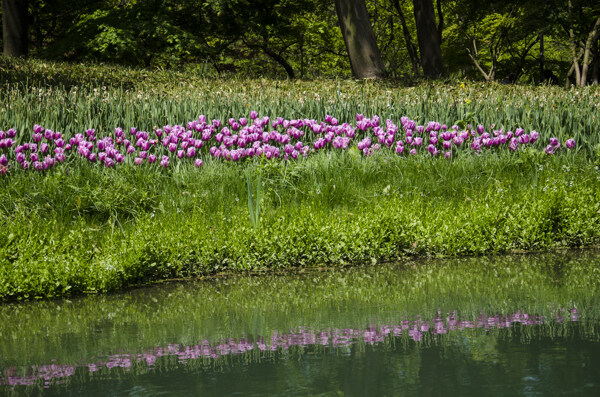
552	41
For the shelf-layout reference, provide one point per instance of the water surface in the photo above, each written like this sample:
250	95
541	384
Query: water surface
512	325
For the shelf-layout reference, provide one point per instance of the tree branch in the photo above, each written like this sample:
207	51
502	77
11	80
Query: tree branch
473	56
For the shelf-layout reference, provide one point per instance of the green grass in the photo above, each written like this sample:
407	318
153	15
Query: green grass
98	229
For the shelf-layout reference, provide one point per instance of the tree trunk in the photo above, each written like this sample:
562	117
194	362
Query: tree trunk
365	59
592	37
440	26
595	62
541	39
428	37
411	48
14	28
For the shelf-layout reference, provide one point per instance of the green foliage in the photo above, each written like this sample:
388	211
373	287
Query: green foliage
259	37
254	200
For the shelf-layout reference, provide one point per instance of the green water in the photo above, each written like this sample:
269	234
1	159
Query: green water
511	325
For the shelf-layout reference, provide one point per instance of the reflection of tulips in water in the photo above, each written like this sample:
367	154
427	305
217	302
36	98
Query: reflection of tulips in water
271	138
414	329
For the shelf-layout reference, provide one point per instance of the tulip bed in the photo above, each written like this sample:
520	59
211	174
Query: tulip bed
240	140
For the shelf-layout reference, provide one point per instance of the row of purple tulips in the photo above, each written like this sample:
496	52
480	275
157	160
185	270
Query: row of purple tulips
256	137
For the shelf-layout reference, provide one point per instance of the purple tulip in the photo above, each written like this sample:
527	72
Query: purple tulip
151	158
165	161
534	136
554	141
570	143
549	149
138	161
198	163
3	160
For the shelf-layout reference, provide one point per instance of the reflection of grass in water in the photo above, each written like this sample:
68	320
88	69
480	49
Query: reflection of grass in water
251	306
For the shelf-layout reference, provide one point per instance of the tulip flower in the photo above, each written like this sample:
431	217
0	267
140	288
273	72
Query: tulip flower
570	143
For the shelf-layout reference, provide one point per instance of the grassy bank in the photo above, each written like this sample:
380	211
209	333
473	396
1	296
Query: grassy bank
81	227
97	229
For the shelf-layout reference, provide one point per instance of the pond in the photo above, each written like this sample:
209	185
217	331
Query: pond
506	325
